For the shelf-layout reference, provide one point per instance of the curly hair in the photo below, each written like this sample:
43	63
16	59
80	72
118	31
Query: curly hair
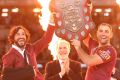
14	30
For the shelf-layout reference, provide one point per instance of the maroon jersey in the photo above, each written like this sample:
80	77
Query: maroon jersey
101	71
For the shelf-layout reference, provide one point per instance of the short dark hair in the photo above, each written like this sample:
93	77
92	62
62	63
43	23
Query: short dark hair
105	24
14	30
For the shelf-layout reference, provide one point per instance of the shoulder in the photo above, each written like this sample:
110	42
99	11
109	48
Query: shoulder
107	53
111	49
75	63
28	46
10	53
50	63
9	57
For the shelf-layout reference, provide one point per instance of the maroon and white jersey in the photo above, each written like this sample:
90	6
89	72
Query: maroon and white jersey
101	71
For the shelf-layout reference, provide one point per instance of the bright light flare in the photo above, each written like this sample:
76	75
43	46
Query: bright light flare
44	20
118	2
52	47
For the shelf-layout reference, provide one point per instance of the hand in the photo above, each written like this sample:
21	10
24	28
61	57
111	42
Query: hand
62	69
51	20
67	67
76	43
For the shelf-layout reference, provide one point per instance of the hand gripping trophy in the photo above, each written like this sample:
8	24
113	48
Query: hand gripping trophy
72	18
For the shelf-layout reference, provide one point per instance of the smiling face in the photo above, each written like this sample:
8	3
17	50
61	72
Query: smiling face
20	38
63	49
104	34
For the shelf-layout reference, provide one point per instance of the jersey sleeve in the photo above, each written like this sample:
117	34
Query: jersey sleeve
107	54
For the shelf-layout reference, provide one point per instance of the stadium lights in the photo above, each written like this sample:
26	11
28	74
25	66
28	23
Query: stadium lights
4	14
36	10
98	10
15	10
4	10
106	14
95	14
108	10
119	27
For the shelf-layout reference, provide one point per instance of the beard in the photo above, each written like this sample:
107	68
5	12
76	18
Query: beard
104	42
20	43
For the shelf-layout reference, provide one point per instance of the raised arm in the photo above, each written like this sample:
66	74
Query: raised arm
42	43
90	60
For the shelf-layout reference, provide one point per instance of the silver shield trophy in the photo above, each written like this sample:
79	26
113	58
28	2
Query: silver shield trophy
72	18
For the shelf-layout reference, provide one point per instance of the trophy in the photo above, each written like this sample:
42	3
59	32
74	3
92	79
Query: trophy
72	18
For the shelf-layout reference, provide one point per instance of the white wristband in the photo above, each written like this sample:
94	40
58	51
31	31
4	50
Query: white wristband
53	24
